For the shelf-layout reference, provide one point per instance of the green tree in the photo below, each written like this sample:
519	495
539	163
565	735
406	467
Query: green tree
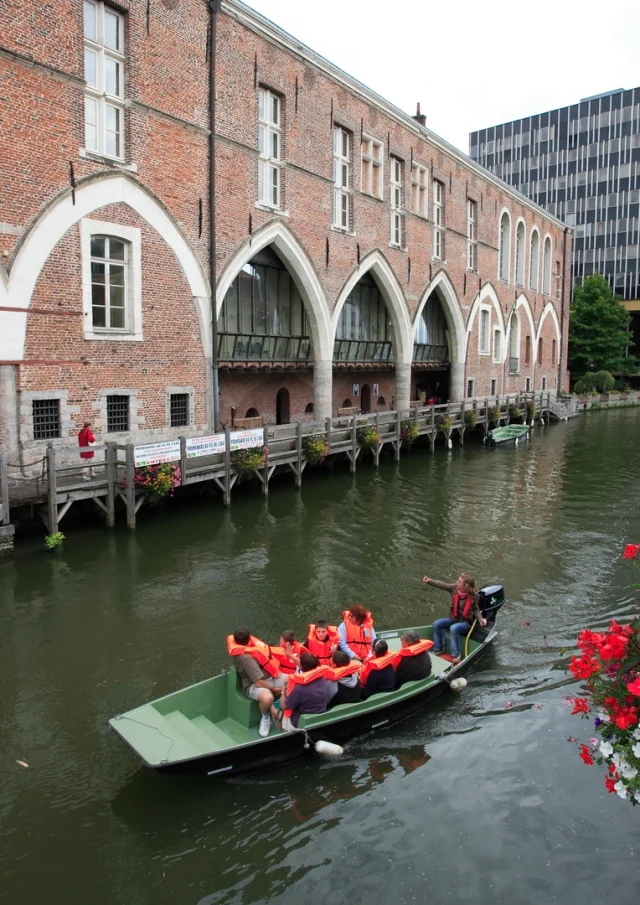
598	336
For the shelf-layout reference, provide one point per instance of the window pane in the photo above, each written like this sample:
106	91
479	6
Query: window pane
90	67
275	110
90	124
112	35
261	139
97	248
97	272
261	192
261	104
345	144
90	21
116	249
275	145
274	185
97	294
112	77
112	131
116	275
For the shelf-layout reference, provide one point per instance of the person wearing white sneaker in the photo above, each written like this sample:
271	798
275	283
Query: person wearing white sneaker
259	673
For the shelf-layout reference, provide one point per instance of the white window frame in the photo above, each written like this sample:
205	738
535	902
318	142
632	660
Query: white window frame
521	241
471	384
504	247
420	190
497	346
484	317
438	220
534	259
97	97
472	235
396	192
546	265
372	166
341	179
133	286
269	164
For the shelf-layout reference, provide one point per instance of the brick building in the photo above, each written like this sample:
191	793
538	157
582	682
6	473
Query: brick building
360	259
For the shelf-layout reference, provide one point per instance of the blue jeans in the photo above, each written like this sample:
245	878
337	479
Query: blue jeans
455	630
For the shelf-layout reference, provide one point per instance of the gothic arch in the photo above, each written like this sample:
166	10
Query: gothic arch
452	313
303	273
487	296
377	264
549	310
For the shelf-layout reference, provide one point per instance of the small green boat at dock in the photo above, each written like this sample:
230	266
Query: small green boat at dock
510	433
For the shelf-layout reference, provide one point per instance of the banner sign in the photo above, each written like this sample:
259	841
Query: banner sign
156	453
205	446
247	439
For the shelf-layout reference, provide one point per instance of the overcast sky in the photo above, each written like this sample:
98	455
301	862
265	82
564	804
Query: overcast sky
472	64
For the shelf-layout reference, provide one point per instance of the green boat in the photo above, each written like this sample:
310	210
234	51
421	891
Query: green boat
211	727
510	433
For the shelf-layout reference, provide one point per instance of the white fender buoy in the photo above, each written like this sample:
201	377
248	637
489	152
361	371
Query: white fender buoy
328	749
449	443
457	684
516	443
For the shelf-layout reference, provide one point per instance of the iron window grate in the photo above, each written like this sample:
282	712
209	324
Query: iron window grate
46	419
117	414
179	409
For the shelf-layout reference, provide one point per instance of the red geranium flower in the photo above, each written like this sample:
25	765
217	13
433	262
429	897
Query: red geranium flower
580	705
610	784
585	754
631	551
634	687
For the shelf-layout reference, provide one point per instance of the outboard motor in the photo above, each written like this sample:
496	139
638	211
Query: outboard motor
491	599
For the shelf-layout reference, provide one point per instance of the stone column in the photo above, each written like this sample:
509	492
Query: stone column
456	378
322	389
403	387
9	410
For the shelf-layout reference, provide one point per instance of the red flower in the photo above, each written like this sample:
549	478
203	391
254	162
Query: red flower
585	754
580	705
631	551
584	667
626	717
610	784
634	687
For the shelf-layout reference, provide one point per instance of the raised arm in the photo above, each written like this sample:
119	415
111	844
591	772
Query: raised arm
441	585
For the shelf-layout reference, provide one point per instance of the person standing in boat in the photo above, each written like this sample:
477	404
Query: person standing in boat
356	632
465	608
259	672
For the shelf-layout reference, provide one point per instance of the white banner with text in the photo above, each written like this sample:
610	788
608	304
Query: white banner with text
156	453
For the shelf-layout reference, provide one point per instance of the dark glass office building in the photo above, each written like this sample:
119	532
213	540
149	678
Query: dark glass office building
581	163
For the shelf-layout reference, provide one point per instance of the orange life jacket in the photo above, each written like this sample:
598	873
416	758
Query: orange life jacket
257	649
467	604
412	650
304	678
287	666
375	664
323	649
335	673
359	637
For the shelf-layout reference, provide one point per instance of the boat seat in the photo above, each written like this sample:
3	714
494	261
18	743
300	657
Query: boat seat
241	708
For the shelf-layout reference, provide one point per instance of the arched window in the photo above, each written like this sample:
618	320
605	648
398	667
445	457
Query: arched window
505	239
364	331
514	345
534	260
346	404
309	408
540	350
554	351
381	400
252	413
527	350
520	254
546	267
497	345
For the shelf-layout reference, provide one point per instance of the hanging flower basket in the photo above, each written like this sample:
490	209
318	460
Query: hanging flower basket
157	482
494	414
368	436
443	422
315	449
470	418
246	461
609	666
531	411
515	412
409	431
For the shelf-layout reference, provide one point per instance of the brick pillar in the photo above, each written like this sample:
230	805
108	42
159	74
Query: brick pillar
322	389
403	387
456	377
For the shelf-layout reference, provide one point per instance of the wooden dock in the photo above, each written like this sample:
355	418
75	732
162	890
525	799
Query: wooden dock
52	485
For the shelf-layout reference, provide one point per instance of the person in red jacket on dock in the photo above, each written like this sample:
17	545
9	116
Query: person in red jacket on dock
465	608
86	439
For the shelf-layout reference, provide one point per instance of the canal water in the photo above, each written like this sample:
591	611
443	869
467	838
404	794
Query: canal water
480	800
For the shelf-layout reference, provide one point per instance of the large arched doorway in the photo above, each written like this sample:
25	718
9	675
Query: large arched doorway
283	406
431	353
365	399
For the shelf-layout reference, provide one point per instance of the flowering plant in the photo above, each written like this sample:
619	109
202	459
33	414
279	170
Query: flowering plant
494	414
443	422
157	481
515	411
368	436
248	460
531	411
409	431
315	449
609	665
470	418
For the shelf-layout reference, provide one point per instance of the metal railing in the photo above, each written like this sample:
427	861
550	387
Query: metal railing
249	347
362	350
430	353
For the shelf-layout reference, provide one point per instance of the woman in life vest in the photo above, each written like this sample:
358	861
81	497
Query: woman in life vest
356	632
288	653
378	674
464	610
322	641
259	672
306	691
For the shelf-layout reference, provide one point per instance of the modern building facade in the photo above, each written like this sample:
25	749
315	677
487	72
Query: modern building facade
360	260
582	164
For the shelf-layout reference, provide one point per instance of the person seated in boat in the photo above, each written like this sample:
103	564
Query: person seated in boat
356	632
322	641
287	653
465	609
412	661
343	683
306	691
259	673
378	673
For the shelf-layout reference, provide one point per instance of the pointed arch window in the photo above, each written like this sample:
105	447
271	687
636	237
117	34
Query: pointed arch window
519	269
504	243
546	267
534	260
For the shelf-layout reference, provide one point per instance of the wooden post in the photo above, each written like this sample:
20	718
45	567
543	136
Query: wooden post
328	424
299	451
4	489
432	435
353	445
265	470
111	469
226	497
52	491
130	478
398	436
462	424
486	414
183	460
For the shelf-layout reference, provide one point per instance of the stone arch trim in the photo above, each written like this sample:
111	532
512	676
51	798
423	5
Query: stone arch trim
299	265
100	191
523	302
376	263
452	313
548	311
486	296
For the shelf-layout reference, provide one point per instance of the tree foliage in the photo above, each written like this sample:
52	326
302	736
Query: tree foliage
598	335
